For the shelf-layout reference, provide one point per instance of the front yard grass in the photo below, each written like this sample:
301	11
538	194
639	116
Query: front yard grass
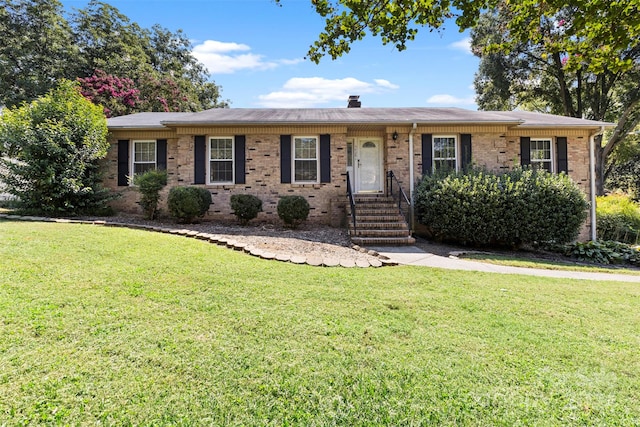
121	327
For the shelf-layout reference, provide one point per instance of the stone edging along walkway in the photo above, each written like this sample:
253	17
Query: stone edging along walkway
316	261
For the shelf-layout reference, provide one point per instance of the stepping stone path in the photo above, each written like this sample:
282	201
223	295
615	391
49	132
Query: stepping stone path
374	260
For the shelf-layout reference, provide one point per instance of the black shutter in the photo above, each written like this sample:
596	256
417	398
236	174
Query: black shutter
325	158
525	151
285	159
199	159
563	158
161	154
123	162
465	151
240	158
427	153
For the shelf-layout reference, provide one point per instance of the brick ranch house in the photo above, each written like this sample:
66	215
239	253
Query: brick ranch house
313	152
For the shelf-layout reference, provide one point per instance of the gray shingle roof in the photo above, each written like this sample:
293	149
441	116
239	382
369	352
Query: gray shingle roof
340	116
532	119
347	116
143	120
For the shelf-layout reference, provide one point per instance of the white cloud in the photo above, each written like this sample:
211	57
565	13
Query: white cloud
463	45
307	92
386	83
214	46
450	100
226	58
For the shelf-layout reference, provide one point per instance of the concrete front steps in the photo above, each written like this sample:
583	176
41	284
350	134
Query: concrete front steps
378	222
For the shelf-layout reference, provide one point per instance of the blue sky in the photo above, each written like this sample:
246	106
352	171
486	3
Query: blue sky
255	50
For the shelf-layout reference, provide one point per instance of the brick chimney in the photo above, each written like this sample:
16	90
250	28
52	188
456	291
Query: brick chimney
353	101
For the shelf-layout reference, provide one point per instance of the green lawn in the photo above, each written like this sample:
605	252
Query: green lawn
121	327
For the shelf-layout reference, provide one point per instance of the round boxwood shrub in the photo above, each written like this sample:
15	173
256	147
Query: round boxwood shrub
245	207
484	208
188	203
293	210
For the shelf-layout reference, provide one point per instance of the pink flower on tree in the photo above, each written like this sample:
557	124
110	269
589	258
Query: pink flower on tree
117	95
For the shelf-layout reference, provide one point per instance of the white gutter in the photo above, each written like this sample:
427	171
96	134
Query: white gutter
411	173
592	180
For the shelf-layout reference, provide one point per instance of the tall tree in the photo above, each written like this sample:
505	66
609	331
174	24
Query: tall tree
43	48
535	74
159	62
108	41
36	50
604	28
172	59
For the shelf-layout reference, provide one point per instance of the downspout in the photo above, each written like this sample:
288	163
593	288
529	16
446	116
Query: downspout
592	180
411	175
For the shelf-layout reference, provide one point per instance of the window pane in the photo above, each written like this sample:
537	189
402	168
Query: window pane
444	165
145	151
541	154
144	156
306	170
142	167
349	154
305	148
444	148
444	153
305	159
221	171
221	148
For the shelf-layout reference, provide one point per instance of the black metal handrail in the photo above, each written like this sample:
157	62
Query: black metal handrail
399	196
352	202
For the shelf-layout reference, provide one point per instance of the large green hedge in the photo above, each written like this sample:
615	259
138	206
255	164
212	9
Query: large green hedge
514	208
56	143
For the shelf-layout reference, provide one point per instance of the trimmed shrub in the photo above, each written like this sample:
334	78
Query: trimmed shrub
149	185
484	208
245	207
188	203
293	210
618	218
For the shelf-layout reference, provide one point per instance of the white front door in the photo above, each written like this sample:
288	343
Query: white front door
368	165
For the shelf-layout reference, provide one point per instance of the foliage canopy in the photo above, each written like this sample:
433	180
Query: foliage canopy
99	45
598	34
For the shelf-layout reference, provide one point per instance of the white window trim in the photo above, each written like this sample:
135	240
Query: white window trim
293	159
456	147
551	152
132	156
233	161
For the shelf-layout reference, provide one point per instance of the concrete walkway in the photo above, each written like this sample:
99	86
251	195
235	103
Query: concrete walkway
412	255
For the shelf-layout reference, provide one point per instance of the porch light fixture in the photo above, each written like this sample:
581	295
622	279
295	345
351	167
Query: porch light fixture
394	136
